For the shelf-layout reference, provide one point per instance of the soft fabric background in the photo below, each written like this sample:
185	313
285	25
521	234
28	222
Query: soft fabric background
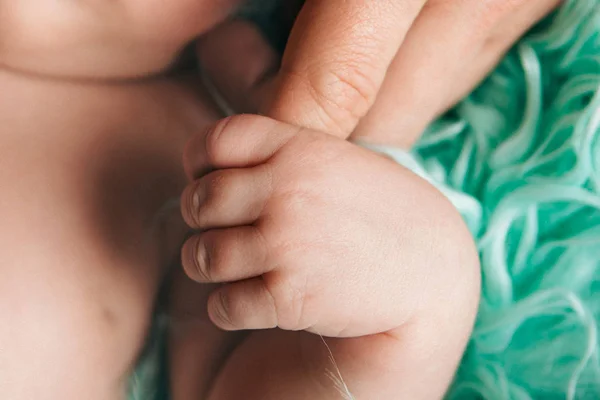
525	148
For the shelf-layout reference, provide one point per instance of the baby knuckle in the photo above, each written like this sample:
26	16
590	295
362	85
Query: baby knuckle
224	139
289	301
219	252
295	204
217	186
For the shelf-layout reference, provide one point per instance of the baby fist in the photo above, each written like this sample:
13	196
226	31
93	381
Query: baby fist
310	232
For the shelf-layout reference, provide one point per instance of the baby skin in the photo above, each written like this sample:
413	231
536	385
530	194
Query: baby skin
296	230
313	235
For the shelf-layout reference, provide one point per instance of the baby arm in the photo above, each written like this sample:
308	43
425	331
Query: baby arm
311	233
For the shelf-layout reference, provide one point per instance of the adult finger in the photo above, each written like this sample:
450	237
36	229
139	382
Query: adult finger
442	60
336	60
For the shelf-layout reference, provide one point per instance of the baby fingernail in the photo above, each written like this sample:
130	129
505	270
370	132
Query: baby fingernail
198	197
191	202
219	307
195	260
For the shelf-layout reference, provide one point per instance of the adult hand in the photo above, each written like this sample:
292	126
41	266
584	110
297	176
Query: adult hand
381	70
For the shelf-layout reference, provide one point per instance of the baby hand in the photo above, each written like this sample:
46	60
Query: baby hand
310	232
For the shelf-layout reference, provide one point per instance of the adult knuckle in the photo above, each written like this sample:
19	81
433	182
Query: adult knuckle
355	83
341	91
345	91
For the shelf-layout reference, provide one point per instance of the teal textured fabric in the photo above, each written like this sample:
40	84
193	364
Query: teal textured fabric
523	151
149	381
520	159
